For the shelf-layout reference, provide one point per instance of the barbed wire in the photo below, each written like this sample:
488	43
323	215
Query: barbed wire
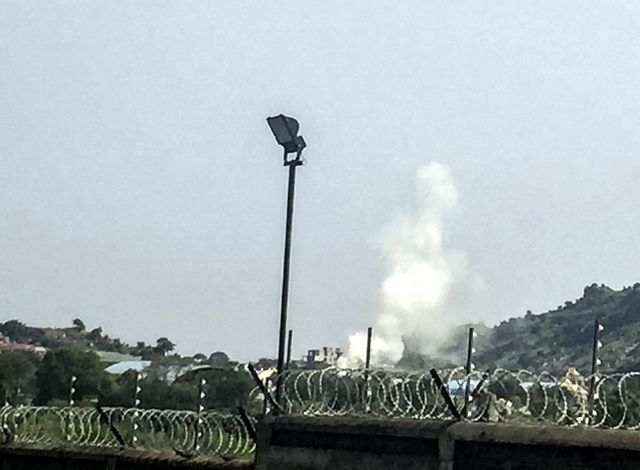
600	400
185	432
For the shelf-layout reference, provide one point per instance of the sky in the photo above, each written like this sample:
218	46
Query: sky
142	191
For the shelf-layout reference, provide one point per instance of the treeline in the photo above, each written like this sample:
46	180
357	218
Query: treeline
79	337
67	375
70	371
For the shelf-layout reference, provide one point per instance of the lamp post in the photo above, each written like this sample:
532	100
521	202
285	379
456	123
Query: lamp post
285	130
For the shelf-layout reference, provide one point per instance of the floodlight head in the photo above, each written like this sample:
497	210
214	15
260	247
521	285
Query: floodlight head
285	130
300	143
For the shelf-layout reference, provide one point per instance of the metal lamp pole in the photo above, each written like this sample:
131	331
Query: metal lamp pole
284	300
285	130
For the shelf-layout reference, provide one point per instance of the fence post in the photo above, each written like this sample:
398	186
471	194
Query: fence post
468	368
69	425
263	388
445	393
597	328
367	361
200	409
367	365
136	404
289	349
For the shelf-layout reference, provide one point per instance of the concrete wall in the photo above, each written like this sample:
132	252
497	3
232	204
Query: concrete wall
318	443
29	457
304	443
494	446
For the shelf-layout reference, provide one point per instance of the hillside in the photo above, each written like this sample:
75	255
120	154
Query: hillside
78	337
552	341
563	337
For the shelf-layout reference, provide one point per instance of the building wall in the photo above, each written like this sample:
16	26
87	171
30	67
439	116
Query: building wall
326	355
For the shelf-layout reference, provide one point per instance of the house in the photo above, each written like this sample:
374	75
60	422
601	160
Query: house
7	345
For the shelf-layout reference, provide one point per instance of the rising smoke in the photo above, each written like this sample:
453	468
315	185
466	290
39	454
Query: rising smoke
416	296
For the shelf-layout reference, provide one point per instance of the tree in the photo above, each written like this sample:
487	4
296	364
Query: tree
123	391
156	393
227	389
219	359
224	390
79	325
17	376
53	377
20	333
164	346
95	334
114	345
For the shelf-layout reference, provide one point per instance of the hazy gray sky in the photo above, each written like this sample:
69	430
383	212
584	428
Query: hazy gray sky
141	189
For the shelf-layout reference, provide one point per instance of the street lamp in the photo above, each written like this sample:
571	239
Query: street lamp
285	130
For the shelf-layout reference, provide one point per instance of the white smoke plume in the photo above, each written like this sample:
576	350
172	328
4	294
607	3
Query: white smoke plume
415	296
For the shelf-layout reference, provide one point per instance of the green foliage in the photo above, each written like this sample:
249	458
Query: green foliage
158	393
224	389
164	346
95	334
562	338
551	341
26	377
219	359
20	333
144	351
79	325
17	376
75	337
56	370
122	390
227	389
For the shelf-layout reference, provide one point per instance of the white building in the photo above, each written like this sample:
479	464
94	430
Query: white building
326	355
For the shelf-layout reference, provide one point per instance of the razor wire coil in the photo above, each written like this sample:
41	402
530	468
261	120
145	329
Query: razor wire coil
184	432
601	400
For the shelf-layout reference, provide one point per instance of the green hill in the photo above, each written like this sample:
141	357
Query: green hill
552	341
562	338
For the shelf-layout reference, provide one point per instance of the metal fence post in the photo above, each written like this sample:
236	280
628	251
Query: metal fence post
467	391
597	328
200	409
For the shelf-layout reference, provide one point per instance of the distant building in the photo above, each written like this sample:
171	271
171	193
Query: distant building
112	357
7	345
326	355
120	368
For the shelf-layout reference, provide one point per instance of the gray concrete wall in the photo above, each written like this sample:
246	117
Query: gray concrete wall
30	457
305	443
318	443
493	446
